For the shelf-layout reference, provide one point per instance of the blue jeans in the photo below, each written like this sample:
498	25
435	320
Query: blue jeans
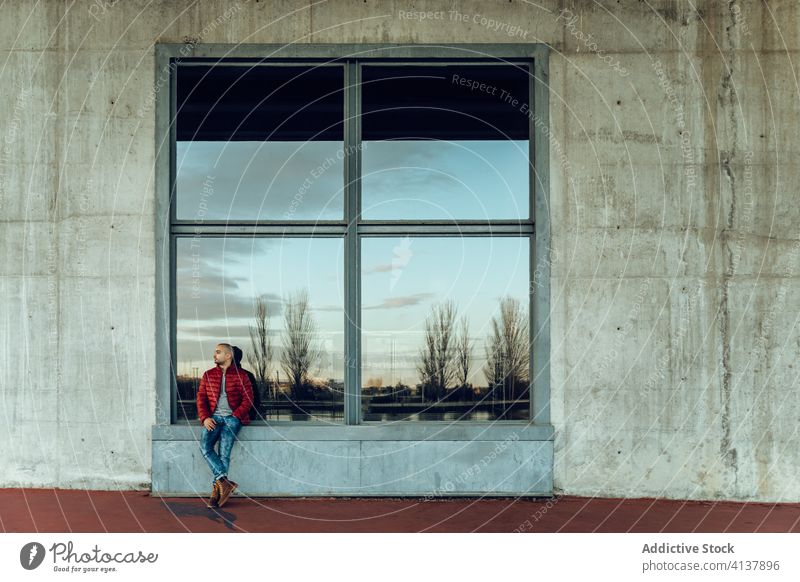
225	432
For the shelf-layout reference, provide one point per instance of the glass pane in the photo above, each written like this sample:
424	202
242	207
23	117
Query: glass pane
445	328
259	143
221	282
447	142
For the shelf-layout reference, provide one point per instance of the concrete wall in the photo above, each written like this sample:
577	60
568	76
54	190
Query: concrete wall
674	219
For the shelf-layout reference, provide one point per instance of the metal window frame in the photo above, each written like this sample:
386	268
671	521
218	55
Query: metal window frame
353	57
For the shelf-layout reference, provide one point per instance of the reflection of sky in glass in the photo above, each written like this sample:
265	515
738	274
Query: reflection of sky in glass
218	279
402	278
445	180
277	180
304	180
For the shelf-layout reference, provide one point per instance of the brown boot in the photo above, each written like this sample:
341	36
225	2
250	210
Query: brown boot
226	487
214	501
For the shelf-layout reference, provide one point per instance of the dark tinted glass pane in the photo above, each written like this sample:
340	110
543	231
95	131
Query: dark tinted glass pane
260	103
458	102
445	142
260	142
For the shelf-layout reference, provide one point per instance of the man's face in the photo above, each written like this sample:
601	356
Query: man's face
221	355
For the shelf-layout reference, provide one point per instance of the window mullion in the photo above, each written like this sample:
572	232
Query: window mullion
352	254
283	230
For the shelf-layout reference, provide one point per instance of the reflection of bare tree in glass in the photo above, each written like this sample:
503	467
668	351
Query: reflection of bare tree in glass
436	364
507	350
260	359
301	347
463	354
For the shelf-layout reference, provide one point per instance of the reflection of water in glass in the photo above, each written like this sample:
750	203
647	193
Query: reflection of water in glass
337	415
478	416
278	414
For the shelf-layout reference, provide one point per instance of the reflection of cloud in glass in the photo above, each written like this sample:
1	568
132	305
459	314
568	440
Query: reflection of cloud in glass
396	302
260	180
466	179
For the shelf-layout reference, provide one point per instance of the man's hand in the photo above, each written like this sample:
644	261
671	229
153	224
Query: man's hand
209	423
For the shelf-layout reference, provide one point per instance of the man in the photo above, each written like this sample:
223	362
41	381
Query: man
223	406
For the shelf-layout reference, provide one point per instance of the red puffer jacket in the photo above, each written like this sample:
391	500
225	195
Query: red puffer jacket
237	387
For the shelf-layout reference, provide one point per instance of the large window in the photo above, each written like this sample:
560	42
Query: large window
362	228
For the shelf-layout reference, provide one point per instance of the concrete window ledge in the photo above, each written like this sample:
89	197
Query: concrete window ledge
413	431
417	459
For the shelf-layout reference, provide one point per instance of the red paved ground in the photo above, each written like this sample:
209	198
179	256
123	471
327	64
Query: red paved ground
59	510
